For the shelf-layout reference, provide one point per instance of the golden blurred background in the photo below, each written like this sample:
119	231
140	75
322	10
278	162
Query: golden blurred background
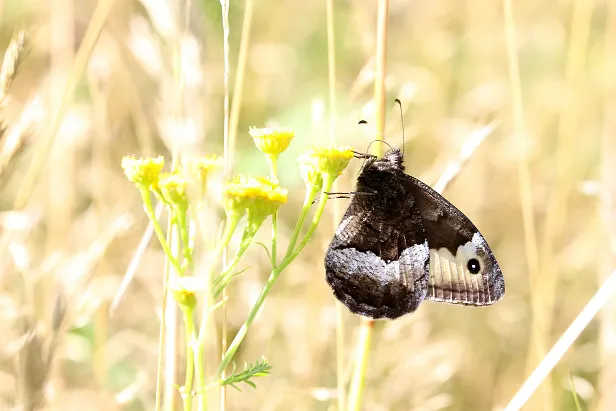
98	80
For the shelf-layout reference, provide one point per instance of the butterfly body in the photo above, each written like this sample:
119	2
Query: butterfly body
402	242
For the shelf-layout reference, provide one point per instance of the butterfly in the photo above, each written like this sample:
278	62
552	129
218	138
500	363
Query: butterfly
400	243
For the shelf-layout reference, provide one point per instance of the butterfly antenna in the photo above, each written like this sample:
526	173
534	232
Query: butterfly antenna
380	141
384	140
401	122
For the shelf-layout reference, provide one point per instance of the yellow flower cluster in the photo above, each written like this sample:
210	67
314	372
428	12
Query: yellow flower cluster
142	171
272	141
317	161
173	187
206	164
257	195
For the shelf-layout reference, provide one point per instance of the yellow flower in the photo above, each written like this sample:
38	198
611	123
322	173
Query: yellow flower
184	290
256	195
142	171
327	160
272	141
204	166
310	175
173	187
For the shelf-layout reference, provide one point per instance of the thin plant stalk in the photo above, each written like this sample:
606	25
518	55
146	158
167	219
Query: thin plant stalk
149	210
240	70
230	226
189	325
361	363
161	339
227	149
367	325
274	176
566	154
337	211
524	187
607	351
170	314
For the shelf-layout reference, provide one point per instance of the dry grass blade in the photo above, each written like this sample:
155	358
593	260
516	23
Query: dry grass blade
34	370
13	57
564	342
129	274
15	138
472	143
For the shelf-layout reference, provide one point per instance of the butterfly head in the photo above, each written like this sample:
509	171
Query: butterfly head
391	161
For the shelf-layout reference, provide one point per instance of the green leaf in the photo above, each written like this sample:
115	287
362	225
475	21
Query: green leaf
259	369
269	257
224	280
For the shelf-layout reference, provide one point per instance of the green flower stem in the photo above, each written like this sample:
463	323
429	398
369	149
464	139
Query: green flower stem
199	356
361	361
231	224
310	196
328	181
183	228
289	257
223	279
149	210
274	238
199	345
189	325
274	175
252	226
271	160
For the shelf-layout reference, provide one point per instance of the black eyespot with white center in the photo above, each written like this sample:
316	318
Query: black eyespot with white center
473	266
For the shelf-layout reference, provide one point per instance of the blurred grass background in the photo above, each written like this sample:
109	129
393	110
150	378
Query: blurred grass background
64	250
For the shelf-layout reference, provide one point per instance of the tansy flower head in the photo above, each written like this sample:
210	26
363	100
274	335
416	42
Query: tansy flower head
184	290
258	196
142	171
204	166
311	176
172	187
272	141
327	160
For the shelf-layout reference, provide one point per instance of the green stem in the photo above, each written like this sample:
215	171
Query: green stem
274	238
149	210
184	237
274	175
310	196
289	257
230	226
361	361
189	325
223	279
199	347
328	181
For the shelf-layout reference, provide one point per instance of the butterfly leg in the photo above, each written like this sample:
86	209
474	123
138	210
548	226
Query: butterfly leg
363	155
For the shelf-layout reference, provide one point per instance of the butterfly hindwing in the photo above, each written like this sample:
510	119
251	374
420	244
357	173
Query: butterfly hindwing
377	263
463	269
